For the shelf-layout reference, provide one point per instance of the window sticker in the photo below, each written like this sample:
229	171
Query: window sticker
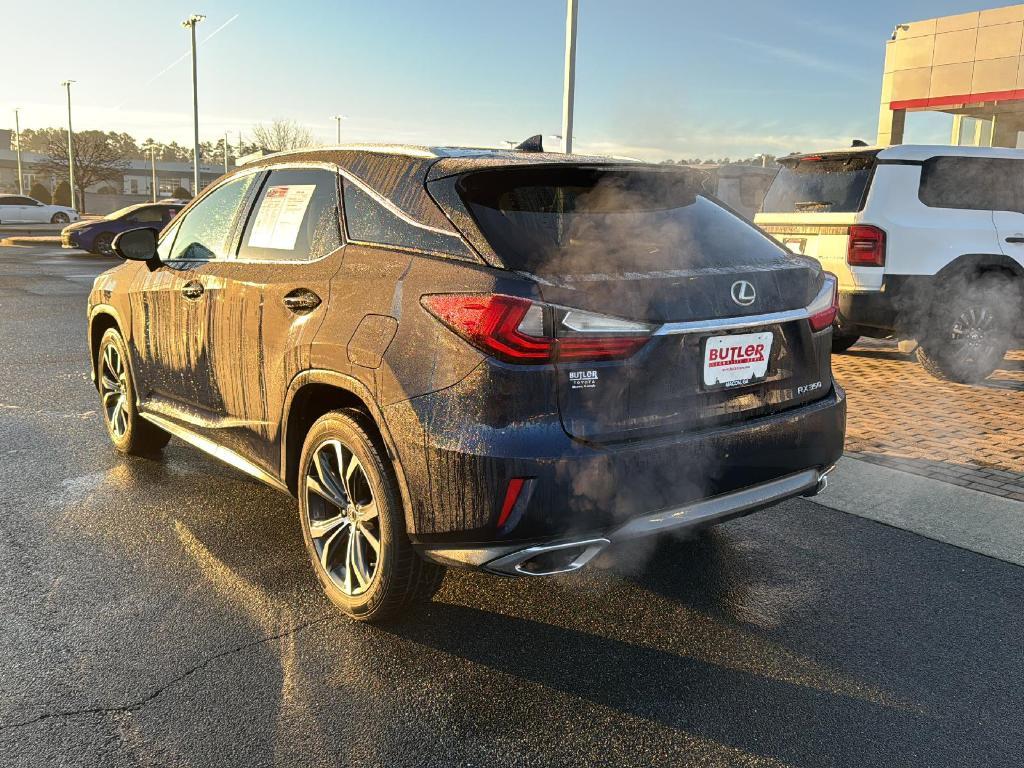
280	216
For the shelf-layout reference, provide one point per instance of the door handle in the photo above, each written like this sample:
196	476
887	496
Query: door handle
192	290
1015	239
301	300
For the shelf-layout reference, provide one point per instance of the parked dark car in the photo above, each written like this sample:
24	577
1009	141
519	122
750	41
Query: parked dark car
501	360
97	235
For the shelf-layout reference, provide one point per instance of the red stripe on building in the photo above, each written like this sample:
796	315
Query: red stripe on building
966	98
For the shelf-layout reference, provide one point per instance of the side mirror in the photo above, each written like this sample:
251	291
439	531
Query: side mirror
136	244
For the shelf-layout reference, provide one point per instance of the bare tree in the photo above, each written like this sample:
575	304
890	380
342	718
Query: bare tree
281	135
98	157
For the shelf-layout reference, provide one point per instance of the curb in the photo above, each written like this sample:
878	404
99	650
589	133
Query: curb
973	520
32	240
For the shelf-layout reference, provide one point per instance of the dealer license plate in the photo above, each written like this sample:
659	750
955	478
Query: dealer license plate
732	361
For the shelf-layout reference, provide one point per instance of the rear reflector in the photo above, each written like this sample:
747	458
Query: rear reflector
515	487
866	247
513	329
823	310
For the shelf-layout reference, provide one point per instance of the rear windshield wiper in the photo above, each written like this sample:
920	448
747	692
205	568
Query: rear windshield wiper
813	204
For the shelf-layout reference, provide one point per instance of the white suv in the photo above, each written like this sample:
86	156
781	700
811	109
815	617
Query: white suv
927	241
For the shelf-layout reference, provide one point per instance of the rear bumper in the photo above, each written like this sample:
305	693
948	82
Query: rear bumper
572	554
604	494
860	310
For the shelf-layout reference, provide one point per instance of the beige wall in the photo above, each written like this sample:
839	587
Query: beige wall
932	62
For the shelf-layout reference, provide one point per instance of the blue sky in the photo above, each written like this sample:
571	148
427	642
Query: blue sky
654	79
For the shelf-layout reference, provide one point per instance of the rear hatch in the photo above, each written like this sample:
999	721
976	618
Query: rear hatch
640	250
812	203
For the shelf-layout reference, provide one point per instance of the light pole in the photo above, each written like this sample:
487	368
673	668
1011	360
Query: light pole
17	146
225	151
338	119
190	24
152	168
572	11
71	145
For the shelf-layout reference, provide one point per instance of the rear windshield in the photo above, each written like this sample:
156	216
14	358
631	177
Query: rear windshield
816	185
579	220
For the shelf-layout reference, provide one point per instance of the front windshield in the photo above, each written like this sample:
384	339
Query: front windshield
120	212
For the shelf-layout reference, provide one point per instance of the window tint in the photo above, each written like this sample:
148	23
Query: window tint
205	232
577	220
820	185
22	201
370	222
978	183
148	215
295	217
6	201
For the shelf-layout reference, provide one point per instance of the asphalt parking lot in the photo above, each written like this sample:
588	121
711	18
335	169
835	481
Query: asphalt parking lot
162	613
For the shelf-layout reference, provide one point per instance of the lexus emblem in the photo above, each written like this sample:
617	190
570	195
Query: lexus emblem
743	293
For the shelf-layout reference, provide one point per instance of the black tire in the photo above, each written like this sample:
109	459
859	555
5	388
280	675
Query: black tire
103	244
970	330
128	431
370	585
842	343
60	218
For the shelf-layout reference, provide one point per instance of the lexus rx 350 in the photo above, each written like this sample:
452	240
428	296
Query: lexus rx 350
502	360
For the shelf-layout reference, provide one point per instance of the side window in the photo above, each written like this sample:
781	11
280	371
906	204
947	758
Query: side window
295	217
973	183
148	216
24	201
6	201
205	232
370	222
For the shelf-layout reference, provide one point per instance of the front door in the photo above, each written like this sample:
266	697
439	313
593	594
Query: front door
172	307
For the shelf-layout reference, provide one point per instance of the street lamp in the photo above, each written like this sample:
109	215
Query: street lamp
152	168
225	151
17	146
190	24
339	118
568	94
71	145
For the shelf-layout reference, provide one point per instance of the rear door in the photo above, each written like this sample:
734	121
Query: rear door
644	246
272	295
811	204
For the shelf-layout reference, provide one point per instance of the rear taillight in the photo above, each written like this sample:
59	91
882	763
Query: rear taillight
866	247
518	330
823	310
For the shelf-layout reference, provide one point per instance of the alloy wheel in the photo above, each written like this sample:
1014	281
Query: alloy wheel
343	518
114	391
974	335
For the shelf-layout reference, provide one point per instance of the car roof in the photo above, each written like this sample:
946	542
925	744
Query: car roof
400	172
913	152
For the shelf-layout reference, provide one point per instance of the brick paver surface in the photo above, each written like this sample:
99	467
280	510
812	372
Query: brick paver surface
901	417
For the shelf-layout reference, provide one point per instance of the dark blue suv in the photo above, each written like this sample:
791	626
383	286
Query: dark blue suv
502	360
97	235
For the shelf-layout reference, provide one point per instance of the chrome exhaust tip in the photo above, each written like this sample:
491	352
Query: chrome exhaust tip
548	559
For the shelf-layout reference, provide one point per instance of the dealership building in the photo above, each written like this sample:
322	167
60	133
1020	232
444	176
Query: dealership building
970	66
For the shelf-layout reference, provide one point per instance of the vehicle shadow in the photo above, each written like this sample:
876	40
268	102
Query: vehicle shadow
698	663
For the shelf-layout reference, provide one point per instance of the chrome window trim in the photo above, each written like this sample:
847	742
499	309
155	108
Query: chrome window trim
732	323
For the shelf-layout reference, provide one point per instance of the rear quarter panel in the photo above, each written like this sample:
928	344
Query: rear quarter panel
922	240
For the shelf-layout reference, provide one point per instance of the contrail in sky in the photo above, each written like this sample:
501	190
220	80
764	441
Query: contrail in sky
181	58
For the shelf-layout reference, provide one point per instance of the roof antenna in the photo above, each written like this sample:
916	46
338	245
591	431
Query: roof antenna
858	143
532	144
